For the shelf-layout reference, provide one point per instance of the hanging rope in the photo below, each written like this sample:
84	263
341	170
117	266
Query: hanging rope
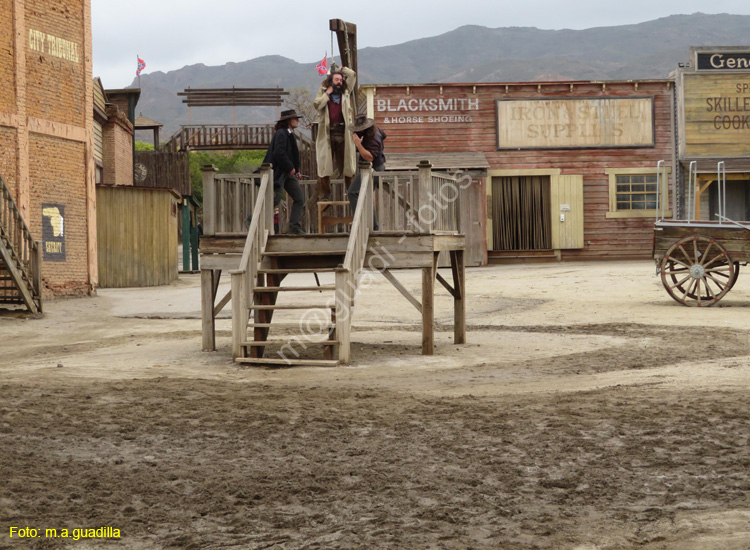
346	46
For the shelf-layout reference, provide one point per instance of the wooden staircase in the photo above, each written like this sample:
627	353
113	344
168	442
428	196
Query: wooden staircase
20	258
320	322
310	338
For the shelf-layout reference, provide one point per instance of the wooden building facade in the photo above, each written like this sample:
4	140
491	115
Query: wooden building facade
713	132
572	165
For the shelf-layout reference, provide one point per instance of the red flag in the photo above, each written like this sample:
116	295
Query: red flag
323	66
141	66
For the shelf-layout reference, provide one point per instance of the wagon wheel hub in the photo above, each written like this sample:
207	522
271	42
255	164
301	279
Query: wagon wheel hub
697	271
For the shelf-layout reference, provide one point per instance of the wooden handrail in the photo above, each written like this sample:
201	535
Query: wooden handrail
28	250
347	275
361	225
245	277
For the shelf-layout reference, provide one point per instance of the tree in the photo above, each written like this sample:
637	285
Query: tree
301	101
241	162
143	146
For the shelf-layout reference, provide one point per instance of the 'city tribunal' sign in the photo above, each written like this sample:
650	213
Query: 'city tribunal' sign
575	123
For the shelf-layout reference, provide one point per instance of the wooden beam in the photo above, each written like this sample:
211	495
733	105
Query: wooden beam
443	282
395	282
224	301
207	310
428	307
458	266
343	314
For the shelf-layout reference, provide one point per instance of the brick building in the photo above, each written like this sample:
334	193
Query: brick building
46	134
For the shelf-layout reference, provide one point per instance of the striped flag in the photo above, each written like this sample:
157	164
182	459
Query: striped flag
141	66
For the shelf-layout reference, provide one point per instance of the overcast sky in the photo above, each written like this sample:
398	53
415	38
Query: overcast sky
169	34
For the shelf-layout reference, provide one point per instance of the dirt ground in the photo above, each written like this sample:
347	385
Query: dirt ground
588	411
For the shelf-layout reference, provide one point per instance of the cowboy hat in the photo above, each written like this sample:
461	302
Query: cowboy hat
291	113
361	122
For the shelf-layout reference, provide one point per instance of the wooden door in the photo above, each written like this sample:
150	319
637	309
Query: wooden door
567	212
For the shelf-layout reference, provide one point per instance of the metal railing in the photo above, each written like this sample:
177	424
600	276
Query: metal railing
244	279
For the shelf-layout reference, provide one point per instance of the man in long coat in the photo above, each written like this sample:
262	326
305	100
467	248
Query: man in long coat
335	150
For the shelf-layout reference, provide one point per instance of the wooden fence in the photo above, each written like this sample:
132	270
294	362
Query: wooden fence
163	170
418	201
137	236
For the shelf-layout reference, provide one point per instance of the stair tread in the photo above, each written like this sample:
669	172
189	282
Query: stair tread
282	342
287	362
290	326
294	326
302	253
294	288
263	307
276	271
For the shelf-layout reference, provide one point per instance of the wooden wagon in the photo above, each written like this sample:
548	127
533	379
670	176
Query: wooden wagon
699	260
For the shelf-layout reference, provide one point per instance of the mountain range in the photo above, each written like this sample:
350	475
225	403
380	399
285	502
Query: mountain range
470	53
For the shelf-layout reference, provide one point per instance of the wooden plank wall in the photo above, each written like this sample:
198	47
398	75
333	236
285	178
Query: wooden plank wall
716	108
164	170
474	129
137	235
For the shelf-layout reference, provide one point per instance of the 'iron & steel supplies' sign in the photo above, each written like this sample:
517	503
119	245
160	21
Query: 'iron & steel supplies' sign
573	123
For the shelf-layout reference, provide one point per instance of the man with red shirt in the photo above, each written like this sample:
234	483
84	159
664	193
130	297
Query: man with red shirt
336	154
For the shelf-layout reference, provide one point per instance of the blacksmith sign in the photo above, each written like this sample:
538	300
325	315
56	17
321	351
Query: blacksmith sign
53	232
561	123
435	109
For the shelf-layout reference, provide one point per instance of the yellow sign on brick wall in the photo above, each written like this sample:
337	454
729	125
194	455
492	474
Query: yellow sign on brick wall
54	46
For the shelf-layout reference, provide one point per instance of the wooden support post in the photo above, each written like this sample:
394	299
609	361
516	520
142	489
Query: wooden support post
207	310
269	210
428	307
185	234
458	266
426	212
239	313
343	317
37	274
209	199
194	238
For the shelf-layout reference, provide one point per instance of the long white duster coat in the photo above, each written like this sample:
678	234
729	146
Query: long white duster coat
323	141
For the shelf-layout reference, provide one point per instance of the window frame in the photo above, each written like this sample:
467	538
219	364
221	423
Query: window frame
613	212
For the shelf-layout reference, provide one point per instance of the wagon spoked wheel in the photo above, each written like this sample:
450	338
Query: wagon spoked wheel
697	271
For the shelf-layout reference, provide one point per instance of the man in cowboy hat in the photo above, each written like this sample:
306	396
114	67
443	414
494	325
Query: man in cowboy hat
335	152
283	154
368	139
